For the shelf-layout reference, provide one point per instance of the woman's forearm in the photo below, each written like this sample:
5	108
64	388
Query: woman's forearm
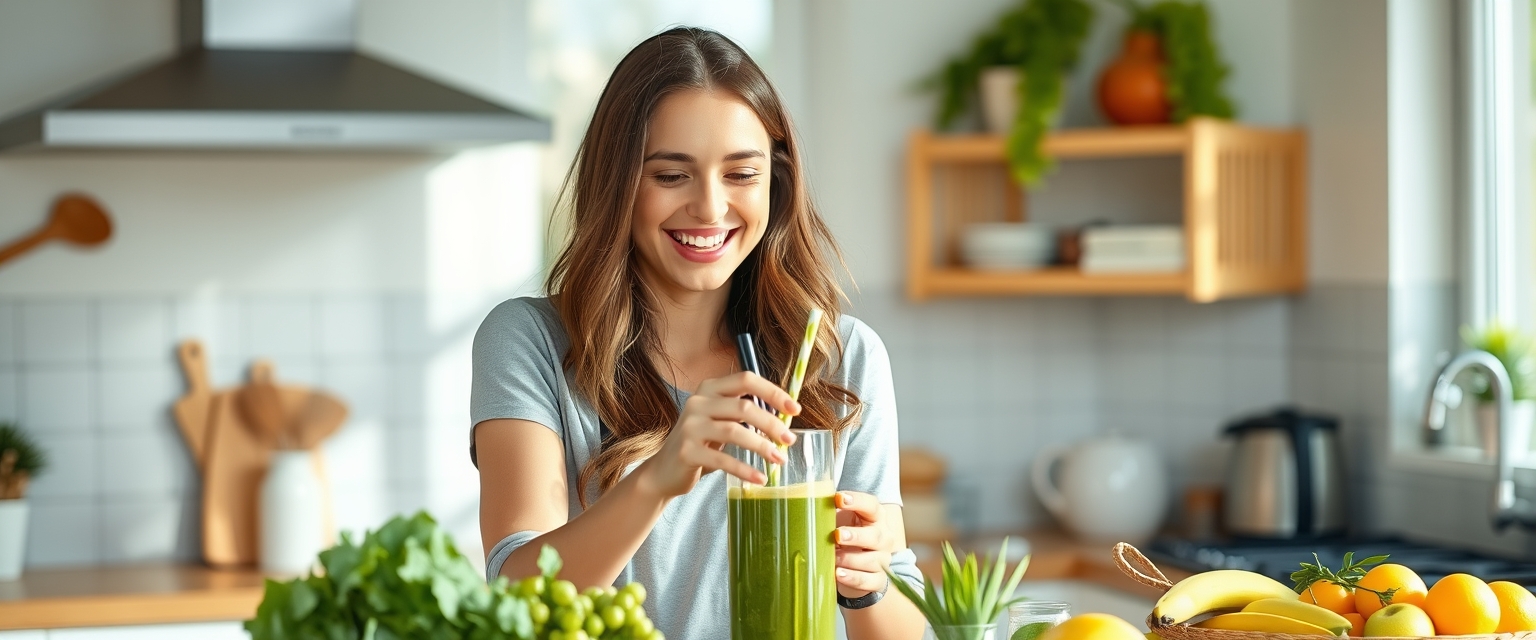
597	544
892	618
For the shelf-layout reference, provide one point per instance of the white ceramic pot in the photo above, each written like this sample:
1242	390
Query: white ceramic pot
13	537
1521	424
999	89
1105	489
292	514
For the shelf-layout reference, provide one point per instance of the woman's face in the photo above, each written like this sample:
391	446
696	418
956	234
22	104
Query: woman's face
702	205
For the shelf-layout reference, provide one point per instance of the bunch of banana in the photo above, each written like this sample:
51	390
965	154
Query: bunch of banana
1213	591
1282	615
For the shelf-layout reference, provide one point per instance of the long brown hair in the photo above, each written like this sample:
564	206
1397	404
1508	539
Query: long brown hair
595	284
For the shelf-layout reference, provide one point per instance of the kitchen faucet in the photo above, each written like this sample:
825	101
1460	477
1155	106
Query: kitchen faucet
1507	509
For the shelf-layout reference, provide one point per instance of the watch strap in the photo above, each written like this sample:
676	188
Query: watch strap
866	600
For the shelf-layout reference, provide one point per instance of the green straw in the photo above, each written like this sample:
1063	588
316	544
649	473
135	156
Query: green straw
796	379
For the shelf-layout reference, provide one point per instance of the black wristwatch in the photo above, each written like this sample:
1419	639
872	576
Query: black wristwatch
866	600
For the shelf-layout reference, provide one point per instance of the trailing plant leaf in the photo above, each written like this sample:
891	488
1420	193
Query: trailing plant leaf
1042	39
1194	70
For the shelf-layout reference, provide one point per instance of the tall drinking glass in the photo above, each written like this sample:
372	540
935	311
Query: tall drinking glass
782	586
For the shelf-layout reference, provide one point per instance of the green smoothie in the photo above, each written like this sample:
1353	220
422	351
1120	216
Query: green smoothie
782	586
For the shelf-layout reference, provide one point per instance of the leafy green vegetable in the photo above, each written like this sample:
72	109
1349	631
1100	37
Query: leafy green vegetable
972	593
407	580
1514	349
1194	70
1042	39
1031	631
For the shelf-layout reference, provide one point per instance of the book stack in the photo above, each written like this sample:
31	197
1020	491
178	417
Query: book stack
1133	249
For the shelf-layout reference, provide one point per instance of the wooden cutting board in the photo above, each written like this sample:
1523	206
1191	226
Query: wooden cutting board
234	457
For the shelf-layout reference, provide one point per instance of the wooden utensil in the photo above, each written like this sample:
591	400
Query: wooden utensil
193	410
75	218
237	462
262	405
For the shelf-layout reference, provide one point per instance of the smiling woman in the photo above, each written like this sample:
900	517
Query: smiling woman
600	413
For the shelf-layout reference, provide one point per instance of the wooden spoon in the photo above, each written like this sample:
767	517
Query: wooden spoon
262	405
75	218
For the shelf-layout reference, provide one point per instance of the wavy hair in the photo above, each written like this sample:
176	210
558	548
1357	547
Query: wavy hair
595	283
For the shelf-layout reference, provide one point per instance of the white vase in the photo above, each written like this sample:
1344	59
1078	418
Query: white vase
1520	424
13	537
292	514
999	89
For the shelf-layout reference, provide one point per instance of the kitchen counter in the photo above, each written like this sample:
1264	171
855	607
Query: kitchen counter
173	593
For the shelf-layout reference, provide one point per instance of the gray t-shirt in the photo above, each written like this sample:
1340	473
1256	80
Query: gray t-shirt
683	562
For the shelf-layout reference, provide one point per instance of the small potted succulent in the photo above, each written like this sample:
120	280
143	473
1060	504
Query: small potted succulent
1017	69
20	461
1516	350
966	605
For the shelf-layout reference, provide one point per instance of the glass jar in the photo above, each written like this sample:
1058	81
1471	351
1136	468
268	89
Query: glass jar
781	550
1046	613
962	632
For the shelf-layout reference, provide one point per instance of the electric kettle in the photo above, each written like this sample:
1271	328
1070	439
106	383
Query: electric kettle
1285	478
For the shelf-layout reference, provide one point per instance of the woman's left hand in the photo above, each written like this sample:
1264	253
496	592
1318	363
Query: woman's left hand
864	544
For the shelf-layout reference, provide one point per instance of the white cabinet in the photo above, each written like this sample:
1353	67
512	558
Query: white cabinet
192	631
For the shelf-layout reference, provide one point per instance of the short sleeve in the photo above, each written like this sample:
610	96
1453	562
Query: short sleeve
516	367
870	451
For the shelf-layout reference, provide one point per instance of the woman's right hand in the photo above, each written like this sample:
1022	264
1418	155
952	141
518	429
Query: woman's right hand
711	419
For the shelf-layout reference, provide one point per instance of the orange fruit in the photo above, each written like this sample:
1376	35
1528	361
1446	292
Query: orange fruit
1359	624
1517	607
1094	626
1410	588
1461	604
1330	596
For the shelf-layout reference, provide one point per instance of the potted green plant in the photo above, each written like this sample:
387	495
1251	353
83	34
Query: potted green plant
20	461
1169	70
966	604
1516	350
1038	41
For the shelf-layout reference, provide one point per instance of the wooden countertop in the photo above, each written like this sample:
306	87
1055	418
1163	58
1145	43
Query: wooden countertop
172	593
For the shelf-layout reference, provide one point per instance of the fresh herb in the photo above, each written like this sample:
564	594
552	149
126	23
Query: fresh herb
1194	69
20	461
1042	39
971	594
1347	577
407	580
1515	350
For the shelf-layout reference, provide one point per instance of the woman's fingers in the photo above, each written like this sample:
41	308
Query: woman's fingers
861	581
746	383
742	410
733	433
866	506
872	537
710	460
867	561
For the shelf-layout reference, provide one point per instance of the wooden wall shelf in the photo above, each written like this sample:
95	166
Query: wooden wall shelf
1245	204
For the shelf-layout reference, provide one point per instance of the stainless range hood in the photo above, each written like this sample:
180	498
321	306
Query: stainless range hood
269	74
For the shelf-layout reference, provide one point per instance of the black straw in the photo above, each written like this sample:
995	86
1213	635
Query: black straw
747	353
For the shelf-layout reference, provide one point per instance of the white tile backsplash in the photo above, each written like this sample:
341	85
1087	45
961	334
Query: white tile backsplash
134	331
10	395
149	463
56	332
63	533
142	529
363	381
58	398
138	397
73	466
281	328
353	326
8	332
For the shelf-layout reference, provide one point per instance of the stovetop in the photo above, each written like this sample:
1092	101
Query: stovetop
1277	559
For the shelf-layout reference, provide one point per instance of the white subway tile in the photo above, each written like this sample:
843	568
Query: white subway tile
408	389
1135	375
151	463
73	465
10	395
138	397
55	332
407	327
352	326
1068	377
213	320
1195	327
280	327
141	529
1256	382
62	533
134	331
355	456
403	444
1257	326
363	383
1137	322
9	329
359	509
1196	379
58	398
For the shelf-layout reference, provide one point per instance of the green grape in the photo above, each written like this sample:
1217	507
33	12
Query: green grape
585	605
625	600
570	619
538	612
614	616
556	635
636	589
656	635
531	587
578	634
601	602
595	626
641	625
562	593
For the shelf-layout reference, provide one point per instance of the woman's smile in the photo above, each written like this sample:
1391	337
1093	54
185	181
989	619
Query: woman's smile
701	245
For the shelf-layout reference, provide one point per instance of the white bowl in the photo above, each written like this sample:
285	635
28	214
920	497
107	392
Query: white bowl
1007	245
